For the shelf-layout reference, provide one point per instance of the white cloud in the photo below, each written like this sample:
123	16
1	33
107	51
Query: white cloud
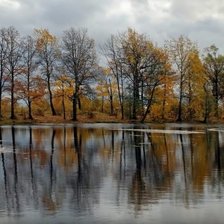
202	20
9	4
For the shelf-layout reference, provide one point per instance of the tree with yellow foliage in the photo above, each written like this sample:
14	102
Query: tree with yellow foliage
49	54
194	87
179	51
64	90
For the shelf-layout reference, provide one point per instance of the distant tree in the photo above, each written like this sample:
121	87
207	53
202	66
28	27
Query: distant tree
49	54
112	50
63	90
179	50
79	58
214	68
106	88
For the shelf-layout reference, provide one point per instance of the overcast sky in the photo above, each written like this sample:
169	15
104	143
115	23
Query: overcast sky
200	20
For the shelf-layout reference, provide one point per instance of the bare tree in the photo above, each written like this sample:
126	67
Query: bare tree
3	62
79	58
13	62
214	69
112	50
29	66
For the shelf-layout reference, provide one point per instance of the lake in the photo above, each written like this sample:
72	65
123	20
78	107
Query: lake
112	173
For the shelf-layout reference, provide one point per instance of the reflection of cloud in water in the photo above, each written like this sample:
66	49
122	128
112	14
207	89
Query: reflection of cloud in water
6	150
163	131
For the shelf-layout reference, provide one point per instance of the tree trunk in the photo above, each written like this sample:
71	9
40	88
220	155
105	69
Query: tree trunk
190	111
135	100
63	107
149	104
52	105
142	97
111	105
28	91
30	109
164	102
1	87
179	118
216	99
79	103
12	97
121	97
74	107
51	97
102	104
0	102
110	93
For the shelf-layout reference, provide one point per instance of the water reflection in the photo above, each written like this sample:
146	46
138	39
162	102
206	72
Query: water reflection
118	173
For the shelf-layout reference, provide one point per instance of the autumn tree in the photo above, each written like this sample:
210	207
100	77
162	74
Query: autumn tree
179	50
13	64
141	65
164	99
106	88
137	65
194	86
63	90
214	68
158	68
48	53
167	86
101	88
79	58
134	47
3	61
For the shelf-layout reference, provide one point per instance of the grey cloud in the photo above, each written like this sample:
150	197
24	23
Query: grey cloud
202	20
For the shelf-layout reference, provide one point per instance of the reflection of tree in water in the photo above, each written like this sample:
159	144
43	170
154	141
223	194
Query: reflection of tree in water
28	179
149	176
217	180
67	166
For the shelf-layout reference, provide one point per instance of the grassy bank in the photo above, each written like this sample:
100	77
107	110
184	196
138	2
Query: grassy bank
87	118
82	118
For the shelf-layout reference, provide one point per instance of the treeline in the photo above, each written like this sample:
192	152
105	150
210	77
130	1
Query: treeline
43	74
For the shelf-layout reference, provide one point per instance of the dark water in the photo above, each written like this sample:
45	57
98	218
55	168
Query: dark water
111	173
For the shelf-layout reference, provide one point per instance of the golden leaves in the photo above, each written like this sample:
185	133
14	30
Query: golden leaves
44	37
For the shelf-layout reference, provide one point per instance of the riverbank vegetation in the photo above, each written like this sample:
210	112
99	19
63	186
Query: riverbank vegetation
45	77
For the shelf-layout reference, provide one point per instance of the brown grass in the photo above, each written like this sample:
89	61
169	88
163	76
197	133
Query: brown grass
93	117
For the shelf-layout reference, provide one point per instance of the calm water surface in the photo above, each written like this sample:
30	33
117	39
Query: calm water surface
111	173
